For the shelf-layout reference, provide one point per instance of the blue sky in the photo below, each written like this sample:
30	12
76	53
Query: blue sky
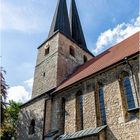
24	25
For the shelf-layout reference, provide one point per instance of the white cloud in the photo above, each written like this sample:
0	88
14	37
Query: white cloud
18	94
22	18
21	93
29	83
116	35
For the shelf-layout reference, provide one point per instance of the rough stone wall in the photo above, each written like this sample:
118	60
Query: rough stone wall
118	127
89	118
70	124
70	116
67	63
46	65
54	68
34	111
48	112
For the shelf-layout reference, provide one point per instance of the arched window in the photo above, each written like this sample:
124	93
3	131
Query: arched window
85	59
79	111
102	105
128	92
72	52
32	127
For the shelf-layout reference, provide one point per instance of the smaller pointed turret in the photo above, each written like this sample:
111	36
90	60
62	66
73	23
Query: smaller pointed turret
76	28
60	20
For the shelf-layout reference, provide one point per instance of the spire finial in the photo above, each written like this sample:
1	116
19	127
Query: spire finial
60	20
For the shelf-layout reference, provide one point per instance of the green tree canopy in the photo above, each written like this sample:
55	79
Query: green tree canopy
8	128
3	85
3	93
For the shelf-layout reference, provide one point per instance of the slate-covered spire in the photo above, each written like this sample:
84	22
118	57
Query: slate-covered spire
76	28
60	20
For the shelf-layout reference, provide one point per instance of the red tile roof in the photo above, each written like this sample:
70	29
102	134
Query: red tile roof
111	56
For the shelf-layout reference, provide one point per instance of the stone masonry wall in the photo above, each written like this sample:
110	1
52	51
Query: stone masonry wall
34	111
54	68
67	63
46	68
118	127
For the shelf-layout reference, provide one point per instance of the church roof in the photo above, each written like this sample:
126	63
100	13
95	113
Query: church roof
76	28
115	54
83	133
60	20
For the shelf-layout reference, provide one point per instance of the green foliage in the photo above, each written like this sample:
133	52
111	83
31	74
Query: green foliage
3	93
13	110
9	112
3	85
8	128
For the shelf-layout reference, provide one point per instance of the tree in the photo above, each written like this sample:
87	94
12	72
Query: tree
3	93
3	85
11	112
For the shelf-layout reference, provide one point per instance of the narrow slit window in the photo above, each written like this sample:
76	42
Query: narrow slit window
128	92
63	113
72	52
32	127
79	111
102	106
47	50
85	59
44	74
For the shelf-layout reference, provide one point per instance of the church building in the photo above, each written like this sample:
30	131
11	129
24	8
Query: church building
79	96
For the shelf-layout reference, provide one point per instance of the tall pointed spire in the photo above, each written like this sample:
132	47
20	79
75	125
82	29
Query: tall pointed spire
60	20
76	28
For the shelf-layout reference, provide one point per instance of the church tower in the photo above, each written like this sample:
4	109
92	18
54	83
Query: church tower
64	50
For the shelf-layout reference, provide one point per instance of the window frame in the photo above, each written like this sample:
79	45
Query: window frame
128	92
129	113
99	114
72	51
102	105
47	50
32	127
122	76
85	58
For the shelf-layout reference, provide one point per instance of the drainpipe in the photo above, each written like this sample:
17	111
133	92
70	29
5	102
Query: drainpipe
131	69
